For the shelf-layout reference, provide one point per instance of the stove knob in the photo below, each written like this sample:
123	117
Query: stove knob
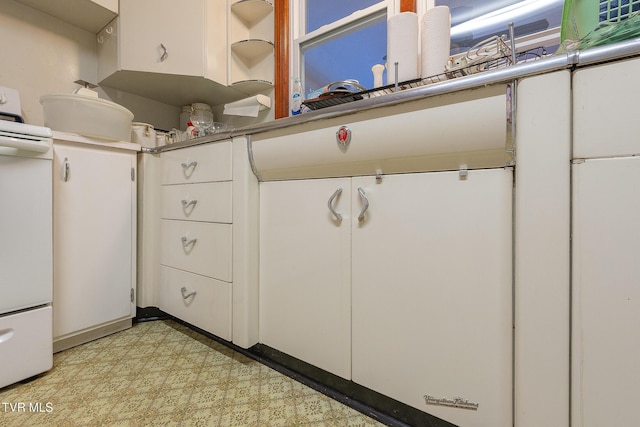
3	98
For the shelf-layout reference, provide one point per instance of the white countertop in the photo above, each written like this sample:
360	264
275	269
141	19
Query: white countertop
72	137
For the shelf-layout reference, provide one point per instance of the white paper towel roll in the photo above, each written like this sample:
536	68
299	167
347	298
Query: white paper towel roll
435	44
402	47
248	107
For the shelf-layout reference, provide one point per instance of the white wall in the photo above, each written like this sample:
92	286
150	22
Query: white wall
41	54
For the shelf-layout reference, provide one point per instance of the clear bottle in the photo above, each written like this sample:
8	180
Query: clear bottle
295	104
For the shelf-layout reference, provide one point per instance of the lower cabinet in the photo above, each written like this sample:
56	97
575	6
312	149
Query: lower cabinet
402	284
305	271
94	211
196	236
606	296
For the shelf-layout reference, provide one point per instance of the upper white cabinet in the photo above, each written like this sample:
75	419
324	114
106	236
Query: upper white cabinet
91	15
173	52
163	36
251	55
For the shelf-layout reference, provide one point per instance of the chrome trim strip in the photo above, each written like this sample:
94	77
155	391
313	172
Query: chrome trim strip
252	162
610	52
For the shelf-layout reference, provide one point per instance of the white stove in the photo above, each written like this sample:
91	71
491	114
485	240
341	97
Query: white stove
26	241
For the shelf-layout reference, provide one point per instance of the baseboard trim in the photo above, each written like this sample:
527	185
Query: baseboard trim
90	335
381	408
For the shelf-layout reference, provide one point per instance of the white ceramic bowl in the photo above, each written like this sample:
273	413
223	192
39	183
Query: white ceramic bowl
87	115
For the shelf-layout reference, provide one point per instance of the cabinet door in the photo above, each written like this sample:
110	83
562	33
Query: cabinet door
93	232
605	293
432	293
148	25
305	293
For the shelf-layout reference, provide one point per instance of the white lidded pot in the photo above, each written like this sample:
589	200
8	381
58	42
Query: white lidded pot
87	115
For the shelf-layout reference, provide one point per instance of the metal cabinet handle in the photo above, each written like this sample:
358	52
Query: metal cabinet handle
330	204
186	204
186	166
365	204
65	170
186	294
186	242
165	52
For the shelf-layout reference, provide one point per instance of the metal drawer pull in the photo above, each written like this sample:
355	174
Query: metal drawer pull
186	166
65	170
186	242
165	53
186	294
330	204
186	204
365	203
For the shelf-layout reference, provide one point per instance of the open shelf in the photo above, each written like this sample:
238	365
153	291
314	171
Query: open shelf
252	11
252	50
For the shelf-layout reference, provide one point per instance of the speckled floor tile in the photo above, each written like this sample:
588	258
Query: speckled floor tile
162	373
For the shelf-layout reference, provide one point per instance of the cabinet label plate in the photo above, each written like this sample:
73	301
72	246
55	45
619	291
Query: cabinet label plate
456	402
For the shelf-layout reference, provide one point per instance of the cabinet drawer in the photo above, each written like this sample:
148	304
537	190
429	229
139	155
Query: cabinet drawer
203	163
209	201
208	308
209	254
25	334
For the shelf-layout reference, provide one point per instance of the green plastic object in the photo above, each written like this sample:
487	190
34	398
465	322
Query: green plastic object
579	18
590	23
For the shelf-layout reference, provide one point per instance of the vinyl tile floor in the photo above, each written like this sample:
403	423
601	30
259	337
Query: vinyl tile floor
161	373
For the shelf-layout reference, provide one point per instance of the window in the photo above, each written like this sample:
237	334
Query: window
473	21
337	40
334	40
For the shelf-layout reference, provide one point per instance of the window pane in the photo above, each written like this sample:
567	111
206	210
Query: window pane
322	12
473	21
350	56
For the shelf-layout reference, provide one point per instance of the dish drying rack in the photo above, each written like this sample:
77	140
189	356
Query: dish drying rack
490	54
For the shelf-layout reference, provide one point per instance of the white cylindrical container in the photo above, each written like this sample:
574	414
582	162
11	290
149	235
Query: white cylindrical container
377	71
435	44
201	106
143	134
402	47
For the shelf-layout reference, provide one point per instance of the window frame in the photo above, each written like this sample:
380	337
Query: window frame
331	31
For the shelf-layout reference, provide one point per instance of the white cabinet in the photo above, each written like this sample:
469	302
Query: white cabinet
305	272
162	36
94	211
174	52
431	292
606	295
606	272
196	257
409	293
91	15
